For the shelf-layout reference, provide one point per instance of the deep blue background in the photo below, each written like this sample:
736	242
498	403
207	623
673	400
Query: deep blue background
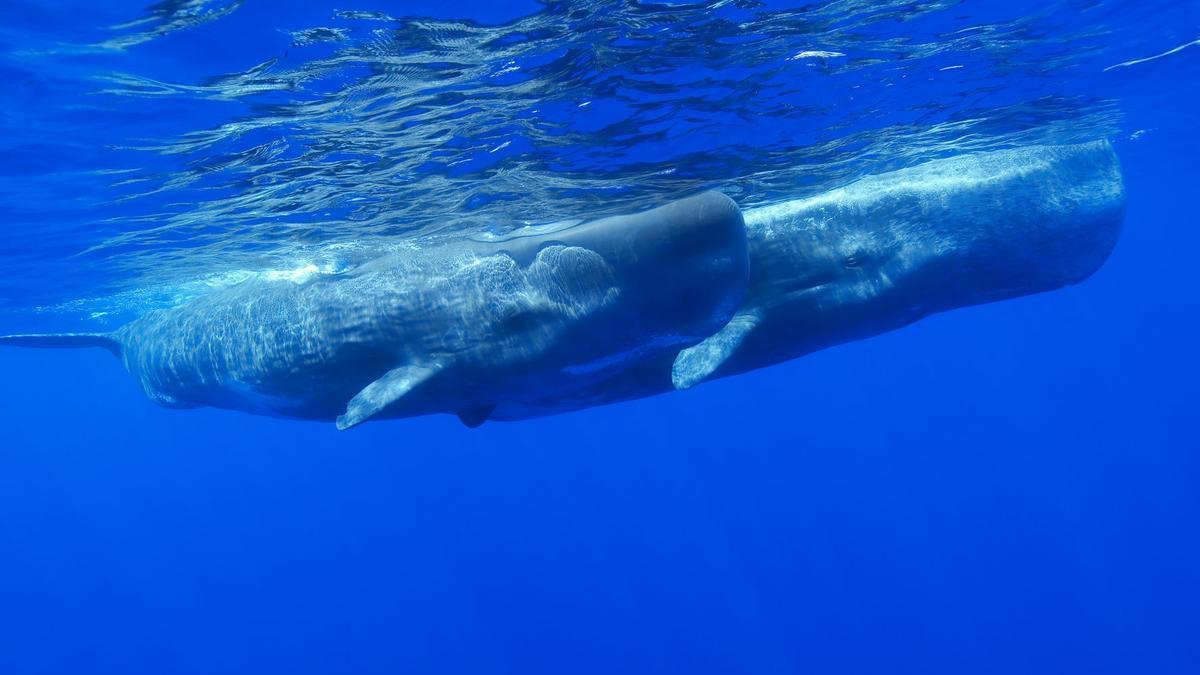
1003	489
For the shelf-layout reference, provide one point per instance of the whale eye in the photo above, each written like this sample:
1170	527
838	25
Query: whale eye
862	255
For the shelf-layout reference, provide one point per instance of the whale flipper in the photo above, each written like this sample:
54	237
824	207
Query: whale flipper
385	391
696	363
473	417
64	341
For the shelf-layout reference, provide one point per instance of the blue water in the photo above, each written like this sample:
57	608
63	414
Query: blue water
1011	488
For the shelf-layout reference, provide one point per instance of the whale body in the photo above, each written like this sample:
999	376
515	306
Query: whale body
540	323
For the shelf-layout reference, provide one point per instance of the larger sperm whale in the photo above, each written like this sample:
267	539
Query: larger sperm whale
547	322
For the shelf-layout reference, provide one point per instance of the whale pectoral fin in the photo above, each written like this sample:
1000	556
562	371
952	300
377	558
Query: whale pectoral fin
696	363
475	416
381	393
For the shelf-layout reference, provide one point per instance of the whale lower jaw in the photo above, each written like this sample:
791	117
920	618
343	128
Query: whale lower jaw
64	341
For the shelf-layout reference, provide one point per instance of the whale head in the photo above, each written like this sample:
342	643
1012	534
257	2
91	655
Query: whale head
1034	219
679	273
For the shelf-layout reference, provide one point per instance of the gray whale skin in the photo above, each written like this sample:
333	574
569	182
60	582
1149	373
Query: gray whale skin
547	320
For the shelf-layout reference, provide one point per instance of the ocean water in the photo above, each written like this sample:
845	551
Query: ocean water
1008	488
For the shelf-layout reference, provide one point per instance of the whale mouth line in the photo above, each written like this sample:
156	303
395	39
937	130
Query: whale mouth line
659	343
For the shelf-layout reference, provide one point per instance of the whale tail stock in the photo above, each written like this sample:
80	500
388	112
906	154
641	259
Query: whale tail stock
63	341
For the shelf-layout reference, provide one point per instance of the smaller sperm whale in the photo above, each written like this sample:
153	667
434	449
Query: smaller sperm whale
457	328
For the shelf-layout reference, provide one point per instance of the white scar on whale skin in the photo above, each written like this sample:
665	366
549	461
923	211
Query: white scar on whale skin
1169	52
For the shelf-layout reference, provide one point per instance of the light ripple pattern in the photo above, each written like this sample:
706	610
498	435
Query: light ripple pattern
323	144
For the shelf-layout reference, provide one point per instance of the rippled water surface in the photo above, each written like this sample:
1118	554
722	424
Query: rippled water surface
149	152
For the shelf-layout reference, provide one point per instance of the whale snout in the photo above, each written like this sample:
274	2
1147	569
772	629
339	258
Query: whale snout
1098	200
1064	221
